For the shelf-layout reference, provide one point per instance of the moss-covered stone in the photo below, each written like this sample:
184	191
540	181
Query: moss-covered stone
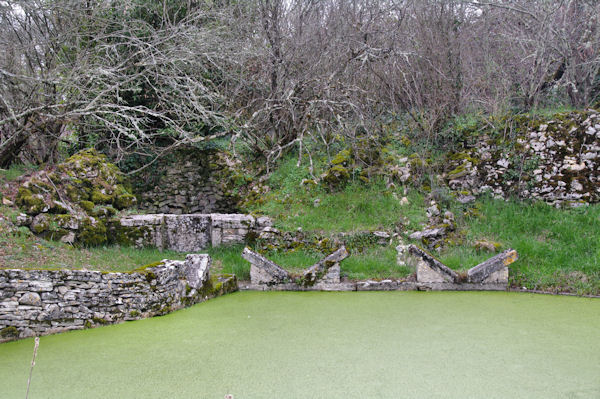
336	176
85	186
31	203
10	332
87	206
103	212
91	232
124	201
98	197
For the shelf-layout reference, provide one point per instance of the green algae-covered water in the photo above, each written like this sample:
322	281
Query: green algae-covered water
327	345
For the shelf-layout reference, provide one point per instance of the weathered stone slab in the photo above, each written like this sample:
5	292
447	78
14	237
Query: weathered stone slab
431	270
197	268
493	268
142	220
320	286
385	285
263	270
328	267
187	233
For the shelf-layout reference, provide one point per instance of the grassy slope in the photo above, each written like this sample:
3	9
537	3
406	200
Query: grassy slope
559	249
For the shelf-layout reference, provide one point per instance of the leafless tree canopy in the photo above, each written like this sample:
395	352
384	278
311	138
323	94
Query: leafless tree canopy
144	77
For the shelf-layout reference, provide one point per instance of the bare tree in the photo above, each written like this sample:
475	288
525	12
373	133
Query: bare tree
119	78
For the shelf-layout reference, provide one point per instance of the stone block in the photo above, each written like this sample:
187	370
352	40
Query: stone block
197	269
431	270
493	268
323	268
262	270
187	233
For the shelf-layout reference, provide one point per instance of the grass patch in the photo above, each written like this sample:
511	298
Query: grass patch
228	259
374	263
28	251
15	171
358	207
559	249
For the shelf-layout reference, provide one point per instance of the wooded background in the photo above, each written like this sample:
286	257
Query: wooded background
140	78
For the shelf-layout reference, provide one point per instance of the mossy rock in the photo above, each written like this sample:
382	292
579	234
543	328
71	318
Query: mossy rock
91	232
31	203
337	176
342	158
87	206
98	197
124	201
9	332
103	212
59	208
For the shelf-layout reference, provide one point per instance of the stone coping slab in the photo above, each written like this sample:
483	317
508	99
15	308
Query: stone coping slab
370	285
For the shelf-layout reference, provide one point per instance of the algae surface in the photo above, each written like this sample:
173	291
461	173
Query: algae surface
327	345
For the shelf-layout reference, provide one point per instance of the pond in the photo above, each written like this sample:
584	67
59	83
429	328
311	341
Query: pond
327	345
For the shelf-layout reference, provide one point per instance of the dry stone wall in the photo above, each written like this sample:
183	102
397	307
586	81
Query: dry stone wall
40	302
191	181
555	160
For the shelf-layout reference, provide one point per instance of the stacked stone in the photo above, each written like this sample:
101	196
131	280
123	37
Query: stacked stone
558	162
191	186
39	302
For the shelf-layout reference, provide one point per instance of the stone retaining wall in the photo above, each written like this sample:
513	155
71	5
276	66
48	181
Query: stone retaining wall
40	302
186	233
555	160
191	181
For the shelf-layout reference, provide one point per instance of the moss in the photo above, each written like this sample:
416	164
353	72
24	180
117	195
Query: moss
98	197
457	172
134	313
76	194
143	269
58	208
124	201
87	324
341	158
91	233
465	156
103	211
39	228
99	320
127	235
336	176
87	206
31	203
9	332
